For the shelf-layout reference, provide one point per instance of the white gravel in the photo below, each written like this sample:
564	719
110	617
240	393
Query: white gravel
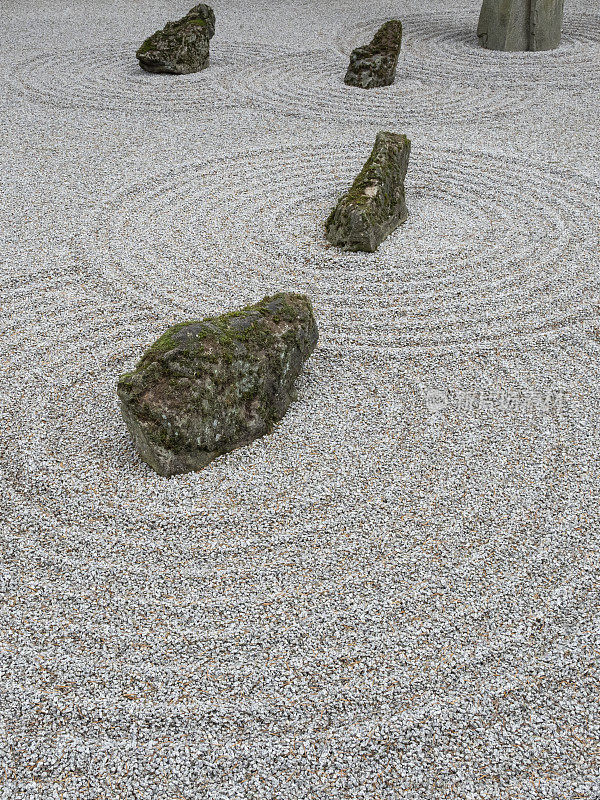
397	593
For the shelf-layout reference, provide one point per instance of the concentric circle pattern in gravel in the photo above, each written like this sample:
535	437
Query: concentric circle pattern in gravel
310	85
107	76
487	233
393	596
444	45
442	75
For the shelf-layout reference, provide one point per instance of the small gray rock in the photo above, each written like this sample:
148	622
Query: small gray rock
519	25
180	47
375	64
206	388
375	204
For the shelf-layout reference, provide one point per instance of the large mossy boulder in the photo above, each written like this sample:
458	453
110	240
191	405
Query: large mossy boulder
375	204
375	64
519	25
208	387
180	47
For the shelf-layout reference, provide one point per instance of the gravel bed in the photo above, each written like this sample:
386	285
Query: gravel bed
394	595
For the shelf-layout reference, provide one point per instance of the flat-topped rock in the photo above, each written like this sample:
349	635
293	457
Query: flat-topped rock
375	204
375	64
519	25
180	47
207	387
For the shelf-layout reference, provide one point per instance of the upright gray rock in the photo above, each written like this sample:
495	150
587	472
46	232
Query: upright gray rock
205	388
375	204
180	47
375	64
546	24
520	24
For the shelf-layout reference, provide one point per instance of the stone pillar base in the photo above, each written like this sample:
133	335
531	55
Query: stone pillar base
514	25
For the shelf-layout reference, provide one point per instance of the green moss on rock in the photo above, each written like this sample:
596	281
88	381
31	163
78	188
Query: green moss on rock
180	47
374	65
375	204
208	386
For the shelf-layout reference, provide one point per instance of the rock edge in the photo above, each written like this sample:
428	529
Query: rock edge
181	47
375	204
208	387
374	64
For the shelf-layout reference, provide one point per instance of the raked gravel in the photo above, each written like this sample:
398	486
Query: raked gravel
396	594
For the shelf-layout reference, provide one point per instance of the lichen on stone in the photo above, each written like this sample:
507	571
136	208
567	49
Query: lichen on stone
181	47
374	65
208	386
375	204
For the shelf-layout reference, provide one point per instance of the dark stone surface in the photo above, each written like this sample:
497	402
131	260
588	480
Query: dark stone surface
375	64
180	47
205	388
519	25
375	204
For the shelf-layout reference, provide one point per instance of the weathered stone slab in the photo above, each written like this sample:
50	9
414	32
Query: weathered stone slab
375	204
546	24
205	388
180	47
375	64
518	25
